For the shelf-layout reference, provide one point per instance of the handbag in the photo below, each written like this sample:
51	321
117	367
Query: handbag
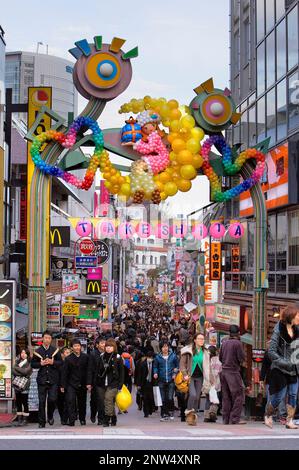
213	396
181	384
20	384
157	396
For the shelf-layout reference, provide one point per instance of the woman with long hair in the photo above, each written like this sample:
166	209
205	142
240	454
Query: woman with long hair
195	367
283	352
22	368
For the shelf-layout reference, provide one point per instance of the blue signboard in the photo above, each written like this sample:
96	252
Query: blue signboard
86	261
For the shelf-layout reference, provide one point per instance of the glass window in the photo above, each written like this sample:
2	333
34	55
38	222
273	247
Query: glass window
271	279
270	15
281	248
260	20
236	53
293	101
246	41
237	134
251	227
244	129
292	38
271	117
260	65
281	115
243	250
251	126
281	283
261	131
243	282
294	238
271	242
280	9
250	282
270	58
228	282
235	281
281	45
294	284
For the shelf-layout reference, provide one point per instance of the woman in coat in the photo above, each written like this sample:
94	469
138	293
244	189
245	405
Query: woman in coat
283	380
22	368
195	367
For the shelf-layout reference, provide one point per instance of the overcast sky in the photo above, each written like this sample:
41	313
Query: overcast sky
181	44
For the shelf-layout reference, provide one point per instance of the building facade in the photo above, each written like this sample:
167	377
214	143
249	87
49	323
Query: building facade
25	69
265	85
2	153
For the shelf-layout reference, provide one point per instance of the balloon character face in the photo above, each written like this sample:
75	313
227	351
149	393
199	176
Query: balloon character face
102	71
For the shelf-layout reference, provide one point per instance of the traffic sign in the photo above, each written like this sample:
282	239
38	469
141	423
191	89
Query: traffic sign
86	261
86	246
69	309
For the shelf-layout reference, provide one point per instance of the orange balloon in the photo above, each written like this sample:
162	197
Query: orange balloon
185	157
164	177
197	161
178	145
184	185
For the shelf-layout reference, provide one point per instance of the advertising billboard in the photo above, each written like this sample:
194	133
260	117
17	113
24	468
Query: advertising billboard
7	335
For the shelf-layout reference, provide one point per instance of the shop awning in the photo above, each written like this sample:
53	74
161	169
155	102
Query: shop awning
247	339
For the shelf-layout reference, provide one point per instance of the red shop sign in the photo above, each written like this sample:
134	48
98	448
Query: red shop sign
86	246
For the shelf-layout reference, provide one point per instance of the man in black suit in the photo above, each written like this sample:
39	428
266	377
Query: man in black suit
73	382
48	360
96	406
146	382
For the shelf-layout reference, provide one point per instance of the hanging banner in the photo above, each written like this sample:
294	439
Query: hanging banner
116	295
215	261
37	97
211	290
23	214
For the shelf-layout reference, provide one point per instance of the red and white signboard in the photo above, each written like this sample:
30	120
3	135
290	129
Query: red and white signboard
105	287
86	246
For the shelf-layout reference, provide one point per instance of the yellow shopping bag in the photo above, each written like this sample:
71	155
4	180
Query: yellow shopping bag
124	399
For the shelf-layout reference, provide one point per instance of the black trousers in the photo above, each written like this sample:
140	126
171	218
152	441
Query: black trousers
46	392
93	403
78	396
62	407
22	404
148	399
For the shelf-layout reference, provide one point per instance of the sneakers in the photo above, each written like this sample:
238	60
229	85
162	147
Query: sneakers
164	418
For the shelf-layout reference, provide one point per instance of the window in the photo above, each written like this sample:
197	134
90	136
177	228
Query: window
294	284
270	15
251	227
270	58
260	20
244	130
246	41
293	101
271	242
281	248
271	116
260	68
271	279
137	259
281	45
261	119
251	126
292	38
280	9
294	238
236	58
281	115
281	283
143	259
151	260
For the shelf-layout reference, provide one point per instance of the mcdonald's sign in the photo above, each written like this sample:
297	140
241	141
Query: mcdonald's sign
93	287
60	236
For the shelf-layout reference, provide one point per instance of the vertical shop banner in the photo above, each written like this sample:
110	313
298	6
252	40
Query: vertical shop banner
23	214
53	315
105	287
215	261
179	277
235	262
116	295
7	336
37	97
211	288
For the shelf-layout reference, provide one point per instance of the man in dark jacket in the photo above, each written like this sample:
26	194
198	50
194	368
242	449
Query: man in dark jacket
48	360
146	382
61	399
232	356
96	406
73	382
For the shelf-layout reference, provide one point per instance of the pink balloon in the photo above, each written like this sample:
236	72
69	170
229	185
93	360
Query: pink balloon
83	228
144	230
126	230
108	229
217	230
162	231
178	230
200	231
236	230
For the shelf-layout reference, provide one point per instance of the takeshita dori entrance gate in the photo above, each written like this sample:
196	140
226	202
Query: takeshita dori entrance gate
166	144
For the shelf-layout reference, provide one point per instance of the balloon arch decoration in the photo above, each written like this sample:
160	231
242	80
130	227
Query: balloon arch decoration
169	144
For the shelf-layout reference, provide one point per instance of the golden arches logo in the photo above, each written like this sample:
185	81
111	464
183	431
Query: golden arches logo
52	235
93	286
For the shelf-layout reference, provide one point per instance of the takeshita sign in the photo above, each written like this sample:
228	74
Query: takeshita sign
113	228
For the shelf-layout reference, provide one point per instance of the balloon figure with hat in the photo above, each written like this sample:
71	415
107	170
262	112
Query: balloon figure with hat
168	144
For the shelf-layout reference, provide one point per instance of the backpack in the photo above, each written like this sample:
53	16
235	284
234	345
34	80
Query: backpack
128	362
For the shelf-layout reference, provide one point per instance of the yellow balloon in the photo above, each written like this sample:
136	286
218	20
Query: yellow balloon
107	184
197	133
184	185
163	196
188	172
175	114
125	189
164	177
193	145
170	189
197	161
160	185
172	156
114	179
173	104
185	157
175	125
164	111
178	145
128	179
187	121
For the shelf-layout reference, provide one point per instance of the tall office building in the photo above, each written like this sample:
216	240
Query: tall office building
25	69
265	85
